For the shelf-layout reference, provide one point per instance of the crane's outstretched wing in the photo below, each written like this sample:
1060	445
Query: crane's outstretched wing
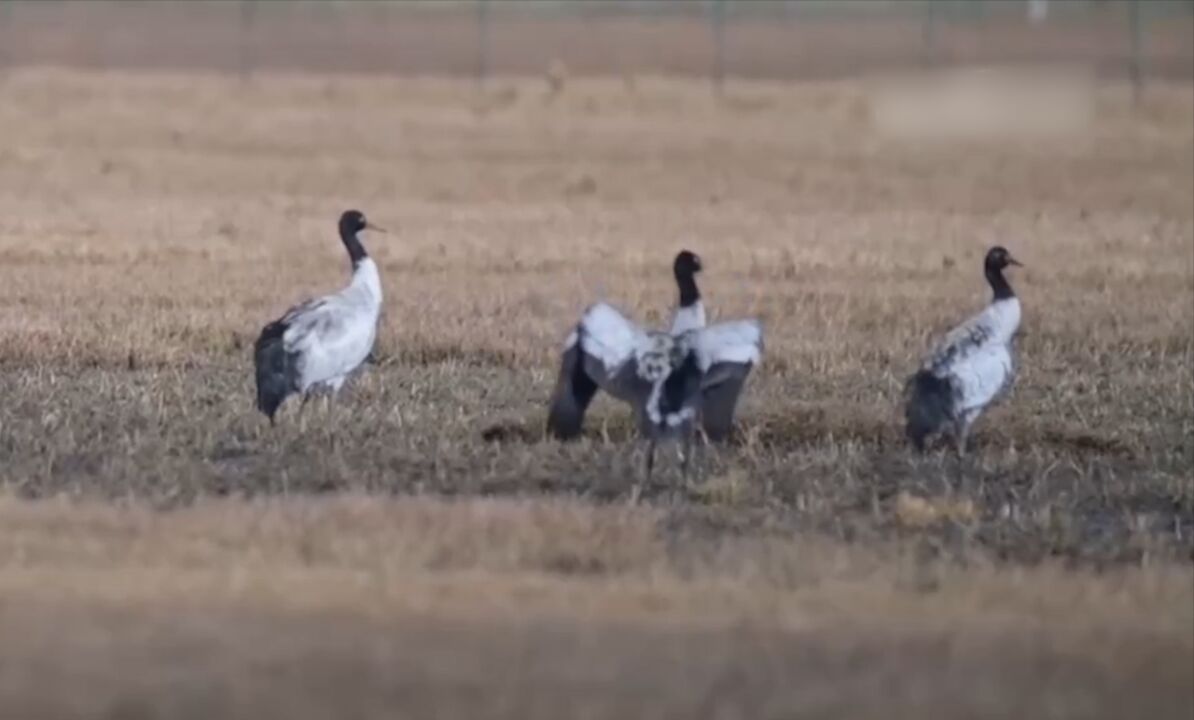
571	397
726	352
599	353
738	342
608	337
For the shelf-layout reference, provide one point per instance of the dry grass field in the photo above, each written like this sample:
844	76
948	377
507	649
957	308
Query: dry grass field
419	550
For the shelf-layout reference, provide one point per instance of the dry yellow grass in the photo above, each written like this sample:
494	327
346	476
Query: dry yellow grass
548	608
150	224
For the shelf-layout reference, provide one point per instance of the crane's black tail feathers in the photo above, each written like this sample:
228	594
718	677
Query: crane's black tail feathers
574	391
275	369
930	399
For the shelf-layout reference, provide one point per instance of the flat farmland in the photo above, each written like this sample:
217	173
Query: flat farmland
419	548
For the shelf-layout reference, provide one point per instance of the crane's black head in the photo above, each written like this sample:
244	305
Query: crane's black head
351	223
998	258
687	264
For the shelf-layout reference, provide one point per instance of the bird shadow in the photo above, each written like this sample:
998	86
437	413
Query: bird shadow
533	431
523	432
801	428
804	427
1086	443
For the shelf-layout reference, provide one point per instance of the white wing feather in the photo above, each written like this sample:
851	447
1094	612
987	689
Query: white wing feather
995	325
331	337
977	355
983	376
609	336
738	341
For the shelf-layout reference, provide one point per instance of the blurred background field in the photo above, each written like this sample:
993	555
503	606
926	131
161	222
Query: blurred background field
170	175
769	39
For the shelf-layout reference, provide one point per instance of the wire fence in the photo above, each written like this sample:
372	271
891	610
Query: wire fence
721	39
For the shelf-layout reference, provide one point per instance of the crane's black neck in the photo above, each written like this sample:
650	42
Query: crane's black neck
999	284
352	243
689	294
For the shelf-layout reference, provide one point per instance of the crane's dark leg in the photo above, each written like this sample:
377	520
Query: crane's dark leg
962	430
637	489
650	461
302	417
332	409
685	461
686	457
328	409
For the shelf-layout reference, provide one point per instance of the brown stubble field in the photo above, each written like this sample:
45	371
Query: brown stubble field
418	546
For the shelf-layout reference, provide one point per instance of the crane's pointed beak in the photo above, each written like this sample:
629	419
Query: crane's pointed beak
1012	261
374	228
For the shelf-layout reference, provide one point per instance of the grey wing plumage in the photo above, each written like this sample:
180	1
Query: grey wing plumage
332	338
720	400
608	337
958	344
727	353
312	320
573	392
276	363
599	354
930	402
966	371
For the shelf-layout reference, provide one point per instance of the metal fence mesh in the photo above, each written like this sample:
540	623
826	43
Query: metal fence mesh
716	38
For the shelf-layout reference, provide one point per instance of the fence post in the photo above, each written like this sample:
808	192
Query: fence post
482	44
717	18
248	16
1136	61
3	35
929	32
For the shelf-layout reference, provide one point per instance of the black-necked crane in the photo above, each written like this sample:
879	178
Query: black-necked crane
318	343
604	334
663	376
971	367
